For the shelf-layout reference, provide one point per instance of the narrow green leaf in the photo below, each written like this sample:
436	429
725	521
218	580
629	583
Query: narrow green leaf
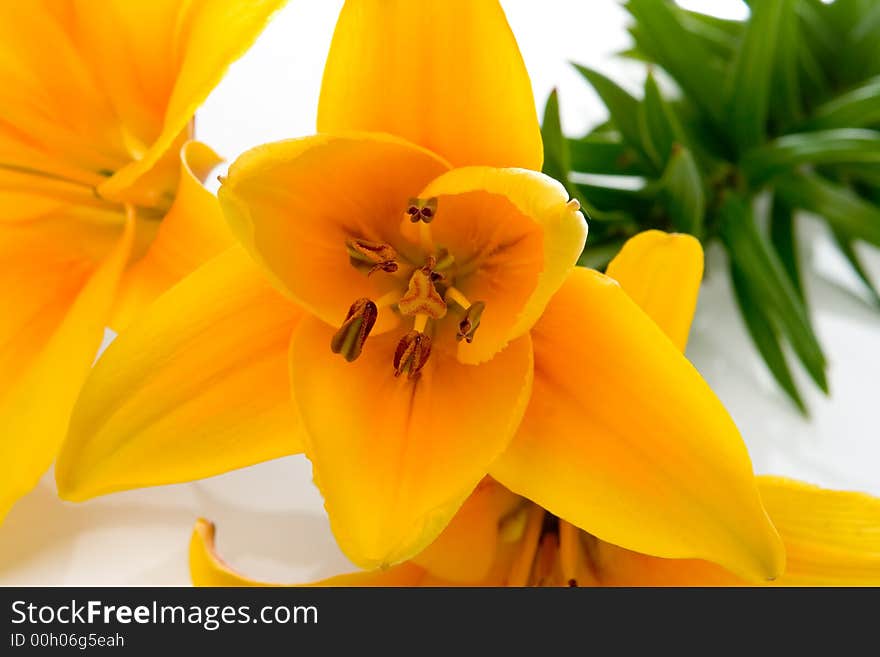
660	33
782	236
604	154
786	105
657	124
622	106
747	89
752	253
863	42
557	161
598	257
683	190
839	146
857	108
845	245
840	206
765	336
607	198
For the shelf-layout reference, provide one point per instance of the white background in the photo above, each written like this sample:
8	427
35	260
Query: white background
271	522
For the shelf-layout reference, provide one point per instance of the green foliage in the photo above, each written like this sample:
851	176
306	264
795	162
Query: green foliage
784	106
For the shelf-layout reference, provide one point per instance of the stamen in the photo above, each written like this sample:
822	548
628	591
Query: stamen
456	295
421	296
445	260
388	299
411	354
350	338
471	322
372	256
473	313
525	558
569	551
422	209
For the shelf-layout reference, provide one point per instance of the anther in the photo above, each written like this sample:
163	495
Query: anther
350	338
372	256
468	326
420	209
411	354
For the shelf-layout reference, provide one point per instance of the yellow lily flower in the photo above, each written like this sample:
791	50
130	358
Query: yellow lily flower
433	322
101	202
501	539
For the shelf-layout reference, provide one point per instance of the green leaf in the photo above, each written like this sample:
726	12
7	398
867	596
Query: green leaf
747	89
846	247
660	32
857	108
786	104
657	124
864	44
623	108
598	257
765	336
684	193
557	162
840	146
604	154
782	236
767	277
839	205
609	199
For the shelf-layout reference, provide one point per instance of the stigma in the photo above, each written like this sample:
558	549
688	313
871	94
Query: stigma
421	296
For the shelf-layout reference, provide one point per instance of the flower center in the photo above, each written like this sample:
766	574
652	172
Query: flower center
426	292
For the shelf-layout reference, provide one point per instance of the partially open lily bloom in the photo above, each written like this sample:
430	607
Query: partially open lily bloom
101	202
499	538
425	305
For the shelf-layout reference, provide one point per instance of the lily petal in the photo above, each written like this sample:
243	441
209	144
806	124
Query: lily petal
466	550
625	440
196	387
445	74
159	60
54	116
832	538
521	234
191	233
662	273
58	277
395	457
208	569
295	203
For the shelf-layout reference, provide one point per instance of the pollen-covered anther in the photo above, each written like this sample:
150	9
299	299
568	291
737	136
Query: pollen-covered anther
372	256
422	209
411	354
350	338
468	326
421	296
